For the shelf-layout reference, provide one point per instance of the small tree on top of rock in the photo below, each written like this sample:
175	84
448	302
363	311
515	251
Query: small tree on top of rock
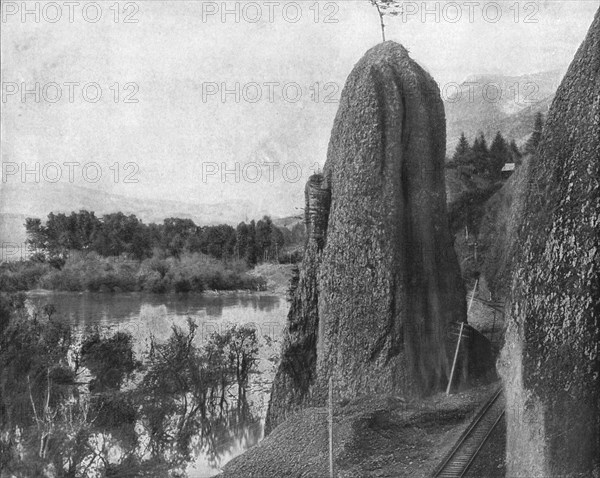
386	7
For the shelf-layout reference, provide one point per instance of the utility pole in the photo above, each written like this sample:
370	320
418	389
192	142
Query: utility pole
331	471
460	334
462	324
493	327
472	296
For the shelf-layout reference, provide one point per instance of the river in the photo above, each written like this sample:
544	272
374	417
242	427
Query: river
146	315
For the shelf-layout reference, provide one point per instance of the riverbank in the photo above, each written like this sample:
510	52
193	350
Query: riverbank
276	277
190	273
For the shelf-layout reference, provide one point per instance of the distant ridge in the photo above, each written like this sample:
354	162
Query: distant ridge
489	103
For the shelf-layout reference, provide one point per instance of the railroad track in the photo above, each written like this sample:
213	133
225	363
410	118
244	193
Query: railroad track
461	456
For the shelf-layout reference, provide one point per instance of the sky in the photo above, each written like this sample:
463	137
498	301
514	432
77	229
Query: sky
196	103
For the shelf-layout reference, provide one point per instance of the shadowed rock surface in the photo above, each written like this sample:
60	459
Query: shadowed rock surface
299	350
550	360
380	284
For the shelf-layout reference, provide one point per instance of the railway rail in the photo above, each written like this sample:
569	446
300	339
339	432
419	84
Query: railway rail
463	453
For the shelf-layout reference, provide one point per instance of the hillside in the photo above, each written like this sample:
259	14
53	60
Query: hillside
498	231
491	103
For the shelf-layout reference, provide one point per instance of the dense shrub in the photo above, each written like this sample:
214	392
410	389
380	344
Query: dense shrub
91	272
22	275
94	273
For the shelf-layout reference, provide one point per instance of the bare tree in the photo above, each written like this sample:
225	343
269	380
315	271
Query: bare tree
386	7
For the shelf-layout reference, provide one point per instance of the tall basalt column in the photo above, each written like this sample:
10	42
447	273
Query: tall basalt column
318	200
389	282
379	283
550	363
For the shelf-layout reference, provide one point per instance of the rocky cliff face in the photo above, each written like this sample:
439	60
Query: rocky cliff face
297	370
550	361
498	231
389	278
380	283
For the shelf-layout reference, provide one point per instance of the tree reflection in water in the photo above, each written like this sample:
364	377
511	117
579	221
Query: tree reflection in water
90	409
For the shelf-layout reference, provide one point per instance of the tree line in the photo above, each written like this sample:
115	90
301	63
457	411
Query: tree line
117	234
483	160
488	161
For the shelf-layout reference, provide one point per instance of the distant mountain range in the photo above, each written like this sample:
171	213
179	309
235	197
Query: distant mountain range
491	103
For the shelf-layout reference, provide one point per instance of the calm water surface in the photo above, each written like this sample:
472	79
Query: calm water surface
145	315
